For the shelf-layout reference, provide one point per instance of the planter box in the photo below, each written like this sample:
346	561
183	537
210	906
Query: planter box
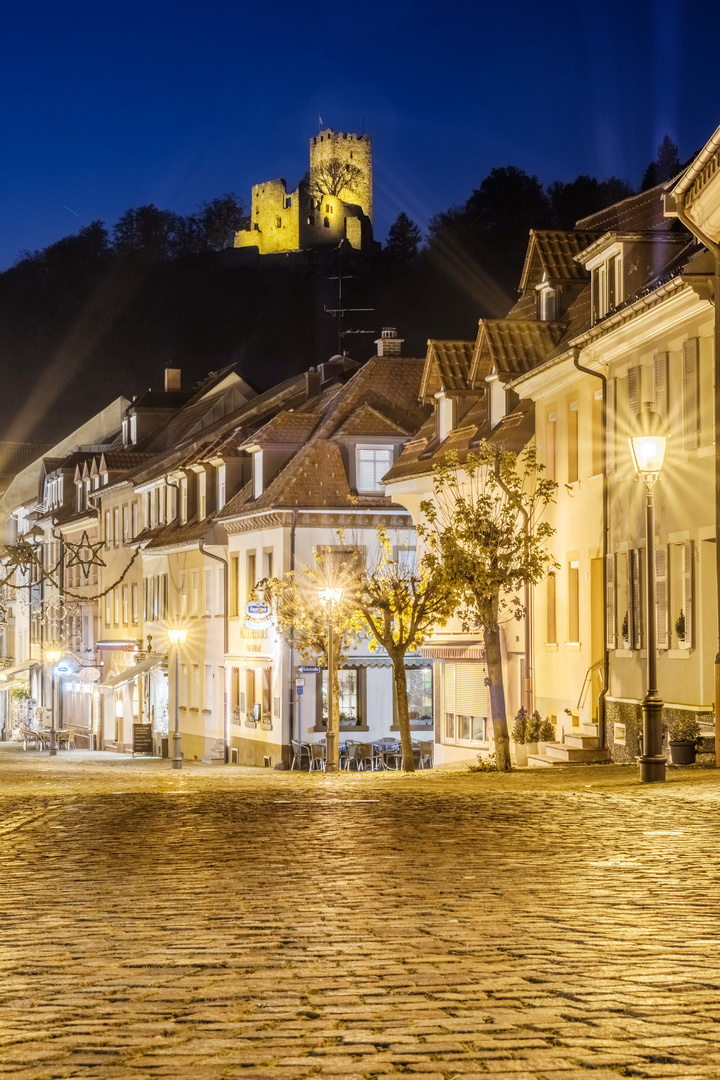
682	751
521	755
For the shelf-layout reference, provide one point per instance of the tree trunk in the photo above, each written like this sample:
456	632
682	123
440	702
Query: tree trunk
401	696
493	658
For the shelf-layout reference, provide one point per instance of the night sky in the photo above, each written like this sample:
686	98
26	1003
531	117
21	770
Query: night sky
110	105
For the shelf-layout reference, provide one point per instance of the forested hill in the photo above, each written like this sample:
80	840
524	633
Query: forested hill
100	313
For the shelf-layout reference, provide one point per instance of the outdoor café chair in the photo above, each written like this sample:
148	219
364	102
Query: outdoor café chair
392	753
426	755
368	756
301	754
318	753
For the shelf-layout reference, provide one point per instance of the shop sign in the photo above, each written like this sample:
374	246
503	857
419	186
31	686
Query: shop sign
257	615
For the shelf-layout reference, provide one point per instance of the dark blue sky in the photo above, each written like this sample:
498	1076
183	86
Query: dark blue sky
109	105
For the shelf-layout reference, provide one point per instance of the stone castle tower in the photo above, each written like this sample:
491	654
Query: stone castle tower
324	209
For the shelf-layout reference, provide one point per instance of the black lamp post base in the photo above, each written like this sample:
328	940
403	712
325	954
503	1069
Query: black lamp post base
652	769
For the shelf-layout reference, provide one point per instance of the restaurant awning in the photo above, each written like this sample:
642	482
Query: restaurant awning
8	673
381	661
129	674
454	650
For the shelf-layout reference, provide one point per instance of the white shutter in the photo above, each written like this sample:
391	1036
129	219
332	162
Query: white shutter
634	391
690	394
688	593
208	687
471	692
661	595
636	574
183	592
660	383
610	424
610	600
195	704
449	688
208	593
221	591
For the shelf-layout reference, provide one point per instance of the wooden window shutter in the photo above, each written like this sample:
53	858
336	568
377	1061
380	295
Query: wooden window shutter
634	391
610	600
661	595
690	394
610	422
660	383
688	593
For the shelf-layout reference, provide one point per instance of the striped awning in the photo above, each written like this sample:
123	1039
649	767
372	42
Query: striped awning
454	650
131	673
381	661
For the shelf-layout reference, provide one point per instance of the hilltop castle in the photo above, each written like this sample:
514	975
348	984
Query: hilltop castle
333	203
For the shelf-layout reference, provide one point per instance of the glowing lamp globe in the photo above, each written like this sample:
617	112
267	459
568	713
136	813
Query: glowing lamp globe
177	636
330	596
53	655
648	441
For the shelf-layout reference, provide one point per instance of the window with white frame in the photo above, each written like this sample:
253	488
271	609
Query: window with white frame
257	470
465	703
221	482
371	464
607	285
445	416
202	495
133	429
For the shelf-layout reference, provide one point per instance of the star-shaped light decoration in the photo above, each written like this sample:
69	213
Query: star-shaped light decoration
20	556
84	554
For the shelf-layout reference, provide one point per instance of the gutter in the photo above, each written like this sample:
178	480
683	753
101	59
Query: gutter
679	193
605	536
685	183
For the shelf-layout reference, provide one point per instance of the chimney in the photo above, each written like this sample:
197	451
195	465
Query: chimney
389	344
312	384
172	378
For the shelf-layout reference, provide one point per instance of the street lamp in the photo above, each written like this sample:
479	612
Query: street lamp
52	656
330	598
177	637
648	440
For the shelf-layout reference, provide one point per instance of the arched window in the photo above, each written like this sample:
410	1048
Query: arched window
326	223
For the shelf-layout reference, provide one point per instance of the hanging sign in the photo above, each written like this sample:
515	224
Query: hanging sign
257	615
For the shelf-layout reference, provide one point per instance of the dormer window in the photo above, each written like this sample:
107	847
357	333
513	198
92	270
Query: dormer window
133	429
125	431
80	492
607	285
371	464
548	305
202	496
445	415
221	486
257	466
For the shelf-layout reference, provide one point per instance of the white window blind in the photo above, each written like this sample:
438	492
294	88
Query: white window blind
610	421
449	688
195	594
196	686
183	592
690	394
660	383
208	687
257	461
661	595
372	462
220	591
610	616
183	684
208	593
471	693
634	391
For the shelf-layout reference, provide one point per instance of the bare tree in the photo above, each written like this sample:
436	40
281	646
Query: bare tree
334	176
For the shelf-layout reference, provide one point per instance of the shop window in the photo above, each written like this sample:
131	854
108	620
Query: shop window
347	696
420	695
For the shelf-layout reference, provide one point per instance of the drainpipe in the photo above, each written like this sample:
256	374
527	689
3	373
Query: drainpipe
605	545
712	247
213	536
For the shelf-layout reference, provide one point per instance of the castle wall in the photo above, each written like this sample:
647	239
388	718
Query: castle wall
328	220
274	219
351	149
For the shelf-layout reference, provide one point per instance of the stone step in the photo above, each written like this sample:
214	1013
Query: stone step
562	754
582	741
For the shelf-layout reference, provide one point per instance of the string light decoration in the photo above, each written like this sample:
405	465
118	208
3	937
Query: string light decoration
84	554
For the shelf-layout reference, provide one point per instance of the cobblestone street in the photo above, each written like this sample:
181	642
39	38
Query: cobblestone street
221	923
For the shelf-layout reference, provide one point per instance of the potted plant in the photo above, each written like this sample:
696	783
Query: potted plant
625	631
519	735
680	627
546	733
532	732
683	732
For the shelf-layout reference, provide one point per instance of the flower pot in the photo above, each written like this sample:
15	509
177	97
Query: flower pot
682	751
521	755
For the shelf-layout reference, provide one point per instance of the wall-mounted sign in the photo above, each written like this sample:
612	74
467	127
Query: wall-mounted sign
258	615
63	668
89	674
309	669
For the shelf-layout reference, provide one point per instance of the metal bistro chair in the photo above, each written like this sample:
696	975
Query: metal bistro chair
368	757
427	749
302	754
318	754
391	753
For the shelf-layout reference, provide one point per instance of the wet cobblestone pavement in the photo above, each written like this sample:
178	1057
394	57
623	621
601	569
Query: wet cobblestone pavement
231	923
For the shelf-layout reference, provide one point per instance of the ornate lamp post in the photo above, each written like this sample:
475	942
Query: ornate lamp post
52	656
330	598
648	440
177	637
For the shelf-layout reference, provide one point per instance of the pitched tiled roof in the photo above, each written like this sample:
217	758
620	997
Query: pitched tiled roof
638	213
447	367
516	429
368	421
551	254
525	308
287	428
512	346
123	459
16	456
